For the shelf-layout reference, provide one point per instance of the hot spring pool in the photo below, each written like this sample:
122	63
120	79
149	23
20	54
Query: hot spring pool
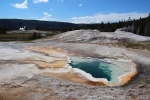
101	69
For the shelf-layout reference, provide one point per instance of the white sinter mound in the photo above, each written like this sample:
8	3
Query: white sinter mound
96	36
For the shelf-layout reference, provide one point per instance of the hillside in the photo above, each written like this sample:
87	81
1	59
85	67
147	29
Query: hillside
15	24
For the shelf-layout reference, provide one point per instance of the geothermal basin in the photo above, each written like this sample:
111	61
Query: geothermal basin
57	63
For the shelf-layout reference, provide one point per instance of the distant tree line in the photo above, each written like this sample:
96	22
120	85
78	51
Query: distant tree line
2	32
15	24
139	26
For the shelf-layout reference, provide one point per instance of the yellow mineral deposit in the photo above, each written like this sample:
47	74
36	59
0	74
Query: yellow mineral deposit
70	76
56	53
126	78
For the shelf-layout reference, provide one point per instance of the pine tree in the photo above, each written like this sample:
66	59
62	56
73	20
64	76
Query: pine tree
138	30
147	27
129	19
132	28
146	31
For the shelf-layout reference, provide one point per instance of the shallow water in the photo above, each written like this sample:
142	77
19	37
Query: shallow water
98	68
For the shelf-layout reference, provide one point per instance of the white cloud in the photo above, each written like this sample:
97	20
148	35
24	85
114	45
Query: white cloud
46	17
39	1
51	9
112	17
23	5
80	5
61	0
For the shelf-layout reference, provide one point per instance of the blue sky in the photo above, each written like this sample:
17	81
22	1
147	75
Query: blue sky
75	11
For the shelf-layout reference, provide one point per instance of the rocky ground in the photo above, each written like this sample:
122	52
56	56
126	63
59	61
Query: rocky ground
45	87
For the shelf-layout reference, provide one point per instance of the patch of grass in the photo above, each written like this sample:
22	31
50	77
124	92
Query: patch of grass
24	36
14	37
132	45
141	45
19	36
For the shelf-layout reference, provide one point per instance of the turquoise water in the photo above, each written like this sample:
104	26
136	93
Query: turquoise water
97	68
100	69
